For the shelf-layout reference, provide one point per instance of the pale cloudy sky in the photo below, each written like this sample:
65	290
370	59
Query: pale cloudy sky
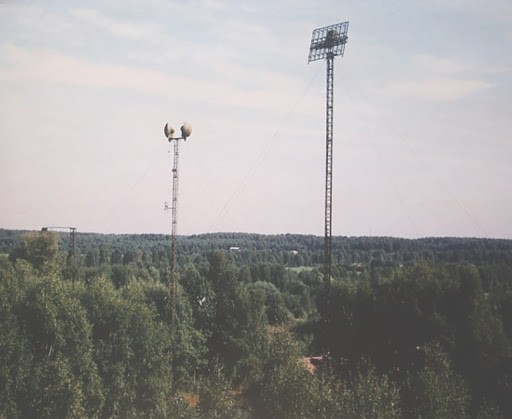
422	136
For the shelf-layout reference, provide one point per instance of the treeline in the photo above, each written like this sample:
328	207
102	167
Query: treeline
406	328
286	249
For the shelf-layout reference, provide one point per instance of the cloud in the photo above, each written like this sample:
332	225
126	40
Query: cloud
498	10
440	65
436	89
129	30
432	78
51	67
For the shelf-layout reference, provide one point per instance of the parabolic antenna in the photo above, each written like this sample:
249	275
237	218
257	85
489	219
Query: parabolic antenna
168	131
186	130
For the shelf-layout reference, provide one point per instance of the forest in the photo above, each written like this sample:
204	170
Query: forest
406	328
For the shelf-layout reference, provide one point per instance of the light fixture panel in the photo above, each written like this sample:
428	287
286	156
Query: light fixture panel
328	41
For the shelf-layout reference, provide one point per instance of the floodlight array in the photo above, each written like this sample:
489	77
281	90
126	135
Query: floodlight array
328	41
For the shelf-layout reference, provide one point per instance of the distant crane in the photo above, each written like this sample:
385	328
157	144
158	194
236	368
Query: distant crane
326	43
71	259
186	131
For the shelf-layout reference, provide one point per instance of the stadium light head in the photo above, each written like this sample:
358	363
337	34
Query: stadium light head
328	41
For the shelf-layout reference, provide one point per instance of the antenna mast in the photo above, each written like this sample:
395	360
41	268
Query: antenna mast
327	43
186	130
174	227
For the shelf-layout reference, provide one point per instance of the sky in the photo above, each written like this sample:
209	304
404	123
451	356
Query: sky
422	116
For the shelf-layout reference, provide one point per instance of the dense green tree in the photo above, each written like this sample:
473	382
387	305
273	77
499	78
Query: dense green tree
189	345
365	394
16	357
286	389
200	293
230	319
435	390
40	249
49	368
370	395
275	310
132	349
217	398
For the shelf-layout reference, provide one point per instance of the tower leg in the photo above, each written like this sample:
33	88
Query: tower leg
328	170
174	233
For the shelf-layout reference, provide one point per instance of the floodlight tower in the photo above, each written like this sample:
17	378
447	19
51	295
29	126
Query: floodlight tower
186	131
327	43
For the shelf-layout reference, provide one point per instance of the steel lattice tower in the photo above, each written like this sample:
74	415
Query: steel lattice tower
186	130
174	227
327	43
